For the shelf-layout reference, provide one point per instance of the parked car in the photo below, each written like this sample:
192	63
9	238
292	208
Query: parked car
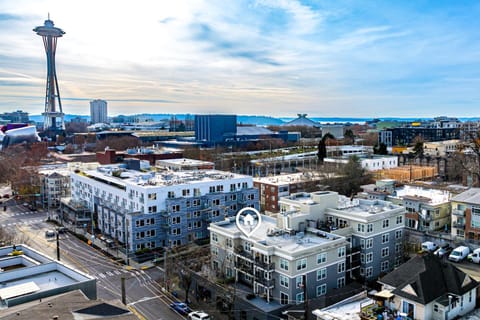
49	233
443	250
62	230
198	315
429	246
474	256
181	308
459	253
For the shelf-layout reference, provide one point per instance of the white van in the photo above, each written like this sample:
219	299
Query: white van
459	253
429	246
198	315
474	256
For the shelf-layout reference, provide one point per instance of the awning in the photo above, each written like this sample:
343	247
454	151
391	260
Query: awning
384	294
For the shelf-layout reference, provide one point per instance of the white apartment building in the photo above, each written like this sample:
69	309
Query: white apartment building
98	111
369	163
149	208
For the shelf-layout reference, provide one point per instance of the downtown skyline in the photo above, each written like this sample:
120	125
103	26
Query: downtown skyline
264	57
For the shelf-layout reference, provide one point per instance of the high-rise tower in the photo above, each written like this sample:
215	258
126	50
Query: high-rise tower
50	34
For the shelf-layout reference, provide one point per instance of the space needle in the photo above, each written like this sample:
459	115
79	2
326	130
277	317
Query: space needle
53	111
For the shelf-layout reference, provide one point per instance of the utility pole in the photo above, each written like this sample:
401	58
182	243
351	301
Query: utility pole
305	298
58	246
165	268
124	299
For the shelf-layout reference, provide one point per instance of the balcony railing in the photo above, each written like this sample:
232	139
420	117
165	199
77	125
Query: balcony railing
459	224
265	266
269	283
460	213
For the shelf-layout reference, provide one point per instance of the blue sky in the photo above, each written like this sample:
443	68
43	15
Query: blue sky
274	57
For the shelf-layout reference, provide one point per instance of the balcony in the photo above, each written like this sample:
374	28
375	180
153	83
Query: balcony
244	255
459	213
458	224
244	266
265	266
268	283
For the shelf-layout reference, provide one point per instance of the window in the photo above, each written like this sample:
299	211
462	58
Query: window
368	243
299	282
176	231
385	252
216	202
399	219
362	243
247	246
369	257
176	220
409	309
283	298
384	266
214	237
299	298
284	281
360	227
152	196
321	274
322	290
435	307
196	202
302	264
321	258
386	222
385	237
283	264
398	234
211	189
362	258
341	252
368	272
186	192
398	247
176	208
369	227
170	195
341	267
341	282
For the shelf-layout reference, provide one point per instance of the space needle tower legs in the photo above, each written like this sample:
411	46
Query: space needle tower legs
53	104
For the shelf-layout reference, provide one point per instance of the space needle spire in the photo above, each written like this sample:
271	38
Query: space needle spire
53	104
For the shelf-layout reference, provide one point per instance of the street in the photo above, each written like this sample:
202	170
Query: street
144	294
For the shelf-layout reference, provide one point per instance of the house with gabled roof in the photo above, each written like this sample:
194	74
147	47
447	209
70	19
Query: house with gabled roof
427	287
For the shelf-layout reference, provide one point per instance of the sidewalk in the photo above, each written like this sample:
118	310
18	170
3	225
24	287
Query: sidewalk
113	253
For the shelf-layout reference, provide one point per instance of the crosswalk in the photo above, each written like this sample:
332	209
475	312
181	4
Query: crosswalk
118	272
23	222
22	213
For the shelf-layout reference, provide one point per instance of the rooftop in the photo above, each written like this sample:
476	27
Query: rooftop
27	273
470	196
269	235
431	196
121	177
288	178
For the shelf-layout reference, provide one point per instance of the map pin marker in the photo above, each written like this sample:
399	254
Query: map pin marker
248	220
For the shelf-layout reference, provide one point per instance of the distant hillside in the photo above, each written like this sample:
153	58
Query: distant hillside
255	120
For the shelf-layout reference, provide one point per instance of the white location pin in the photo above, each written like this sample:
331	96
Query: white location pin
248	220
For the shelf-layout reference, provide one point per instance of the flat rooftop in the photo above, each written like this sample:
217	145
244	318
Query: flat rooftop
183	162
121	177
431	196
27	274
269	235
288	178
